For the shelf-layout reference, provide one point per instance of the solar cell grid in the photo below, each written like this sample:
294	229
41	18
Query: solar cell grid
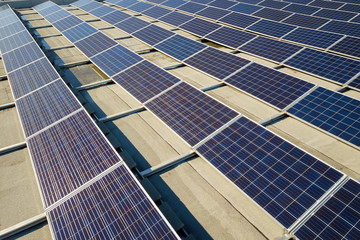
245	8
115	17
190	113
78	32
199	26
9	20
348	1
351	8
173	3
113	1
281	178
216	63
126	3
56	16
327	65
11	29
43	5
14	41
81	3
230	37
101	11
176	18
225	4
326	4
202	1
273	4
153	34
298	8
331	111
140	6
356	19
145	80
67	23
355	83
91	6
338	218
250	1
347	28
132	24
213	13
95	44
335	14
349	46
191	7
272	14
271	86
50	10
69	154
305	21
270	28
156	12
156	1
98	212
300	1
239	20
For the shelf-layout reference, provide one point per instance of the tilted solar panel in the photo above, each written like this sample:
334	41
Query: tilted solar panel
81	3
272	14
115	17
230	37
131	25
335	14
156	12
95	44
56	16
355	83
306	21
347	28
213	13
199	26
126	3
15	41
101	11
224	4
50	10
270	28
298	8
326	4
349	46
245	8
239	20
273	4
11	29
173	3
67	23
91	6
176	18
191	7
79	32
140	6
153	34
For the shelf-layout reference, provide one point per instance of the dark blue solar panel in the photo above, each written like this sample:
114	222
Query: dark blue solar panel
313	37
338	218
140	6
269	85
202	1
50	10
176	18
153	34
113	1
67	23
349	46
326	4
156	1
298	8
145	80
180	47
271	49
356	19
331	111
190	113
272	14
250	1
11	29
69	154
335	14
239	20
336	68
216	63
300	1
351	8
115	59
31	77
213	13
271	28
284	180
199	26
355	83
91	6
173	3
14	41
191	7
245	8
132	24
273	4
156	12
114	207
95	44
101	11
230	37
126	3
225	4
79	32
305	21
346	28
46	106
56	16
115	17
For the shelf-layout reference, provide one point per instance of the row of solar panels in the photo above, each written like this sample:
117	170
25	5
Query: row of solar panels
282	179
68	151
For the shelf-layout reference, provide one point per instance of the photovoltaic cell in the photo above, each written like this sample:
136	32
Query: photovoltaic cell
115	59
132	24
349	46
272	14
270	28
80	31
153	34
314	38
91	6
271	86
67	23
180	47
338	218
224	4
145	80
69	154
113	1
216	63
199	26
191	7
176	18
43	5
95	44
273	4
156	1
174	3
271	49
114	207
326	4
14	41
346	28
11	29
327	65
101	11
126	3
115	17
56	16
156	12
305	21
298	8
250	1
335	14
355	83
245	8
140	6
230	37
356	19
81	3
190	113
300	1
50	10
284	180
239	20
331	111
202	1
213	13
351	8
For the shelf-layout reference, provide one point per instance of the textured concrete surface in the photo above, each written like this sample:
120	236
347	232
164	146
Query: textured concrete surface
5	92
10	130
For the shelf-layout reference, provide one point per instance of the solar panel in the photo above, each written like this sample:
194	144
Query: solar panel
213	13
298	8
273	4
225	4
67	23
114	207
346	28
69	154
348	1
239	20
131	25
230	37
126	3
305	21
173	3
349	46
356	19
31	77
45	106
9	20
175	18
335	14
245	8
269	85
81	3
336	68
355	83
284	180
191	7
113	1
145	80
156	12
272	14
270	28
153	34
216	63
270	49
115	59
300	1
95	44
21	56
56	16
91	6
199	26
313	37
115	17
180	47
351	8
331	111
140	6
250	1
11	29
14	41
101	11
190	113
202	1
156	1
43	5
338	218
50	10
326	4
78	32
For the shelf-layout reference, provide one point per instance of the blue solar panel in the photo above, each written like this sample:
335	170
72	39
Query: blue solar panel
355	83
156	1
191	7
46	106
21	56
305	21
199	26
156	12
14	41
284	180
126	3
115	17
31	77
271	28
95	44
115	59
176	18
245	8
336	68
202	1
9	20
50	10
269	85
213	13
273	4
153	34
11	29
272	14
338	218
91	6
56	16
113	1
351	8
332	112
335	14
326	4
79	32
298	8
225	4
313	37
81	3
174	3
356	19
349	46
145	80
43	5
239	20
67	23
190	113
180	47
114	207
101	11
132	24
300	1
250	1
69	154
216	63
230	37
346	28
140	6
